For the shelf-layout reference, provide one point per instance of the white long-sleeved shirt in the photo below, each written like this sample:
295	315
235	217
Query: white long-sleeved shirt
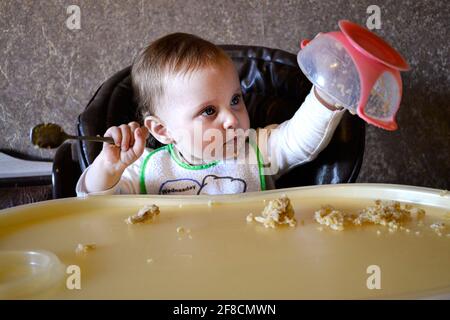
281	148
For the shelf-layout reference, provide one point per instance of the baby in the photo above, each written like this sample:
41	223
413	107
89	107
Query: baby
191	101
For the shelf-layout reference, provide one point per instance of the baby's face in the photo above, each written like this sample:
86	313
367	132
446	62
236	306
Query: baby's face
204	110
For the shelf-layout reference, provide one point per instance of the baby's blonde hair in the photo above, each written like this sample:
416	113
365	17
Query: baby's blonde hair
177	53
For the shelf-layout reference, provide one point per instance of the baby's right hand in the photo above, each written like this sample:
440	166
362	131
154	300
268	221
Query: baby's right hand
129	145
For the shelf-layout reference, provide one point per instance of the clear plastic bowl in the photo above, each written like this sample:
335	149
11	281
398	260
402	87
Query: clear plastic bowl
327	64
24	274
329	67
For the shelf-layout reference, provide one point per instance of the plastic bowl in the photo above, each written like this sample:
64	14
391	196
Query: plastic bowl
27	273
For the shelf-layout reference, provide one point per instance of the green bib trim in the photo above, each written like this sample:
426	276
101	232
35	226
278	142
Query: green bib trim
262	178
182	164
144	166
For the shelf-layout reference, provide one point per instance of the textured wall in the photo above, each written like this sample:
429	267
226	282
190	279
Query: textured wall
48	72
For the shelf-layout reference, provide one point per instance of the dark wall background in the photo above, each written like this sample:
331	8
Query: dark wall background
48	72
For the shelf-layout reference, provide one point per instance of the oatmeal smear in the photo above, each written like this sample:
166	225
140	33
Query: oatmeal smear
391	214
276	213
147	213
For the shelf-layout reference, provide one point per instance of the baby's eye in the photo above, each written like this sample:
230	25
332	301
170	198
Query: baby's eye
236	99
209	111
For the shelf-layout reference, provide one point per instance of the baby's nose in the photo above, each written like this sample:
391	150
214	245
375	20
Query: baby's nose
230	121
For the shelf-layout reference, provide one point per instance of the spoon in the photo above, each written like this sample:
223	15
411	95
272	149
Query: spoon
50	135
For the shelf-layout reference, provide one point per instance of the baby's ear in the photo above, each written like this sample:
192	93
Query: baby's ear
158	129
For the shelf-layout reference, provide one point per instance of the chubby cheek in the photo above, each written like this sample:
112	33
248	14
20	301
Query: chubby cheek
190	142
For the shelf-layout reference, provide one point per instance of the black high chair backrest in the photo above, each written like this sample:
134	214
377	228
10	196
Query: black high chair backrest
273	88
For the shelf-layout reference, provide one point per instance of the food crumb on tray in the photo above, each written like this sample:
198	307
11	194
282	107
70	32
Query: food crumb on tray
391	214
277	212
183	233
183	230
331	217
83	248
147	213
439	228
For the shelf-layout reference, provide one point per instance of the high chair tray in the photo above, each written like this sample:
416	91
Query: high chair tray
219	255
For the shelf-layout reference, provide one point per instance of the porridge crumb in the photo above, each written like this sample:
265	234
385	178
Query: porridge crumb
83	248
144	214
330	217
439	228
277	212
182	230
390	214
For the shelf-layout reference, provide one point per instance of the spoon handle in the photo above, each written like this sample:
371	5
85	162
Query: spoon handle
93	138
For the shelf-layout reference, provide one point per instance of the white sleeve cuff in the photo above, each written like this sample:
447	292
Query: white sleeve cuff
318	108
81	189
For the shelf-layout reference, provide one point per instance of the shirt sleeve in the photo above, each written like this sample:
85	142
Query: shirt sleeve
299	139
129	183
